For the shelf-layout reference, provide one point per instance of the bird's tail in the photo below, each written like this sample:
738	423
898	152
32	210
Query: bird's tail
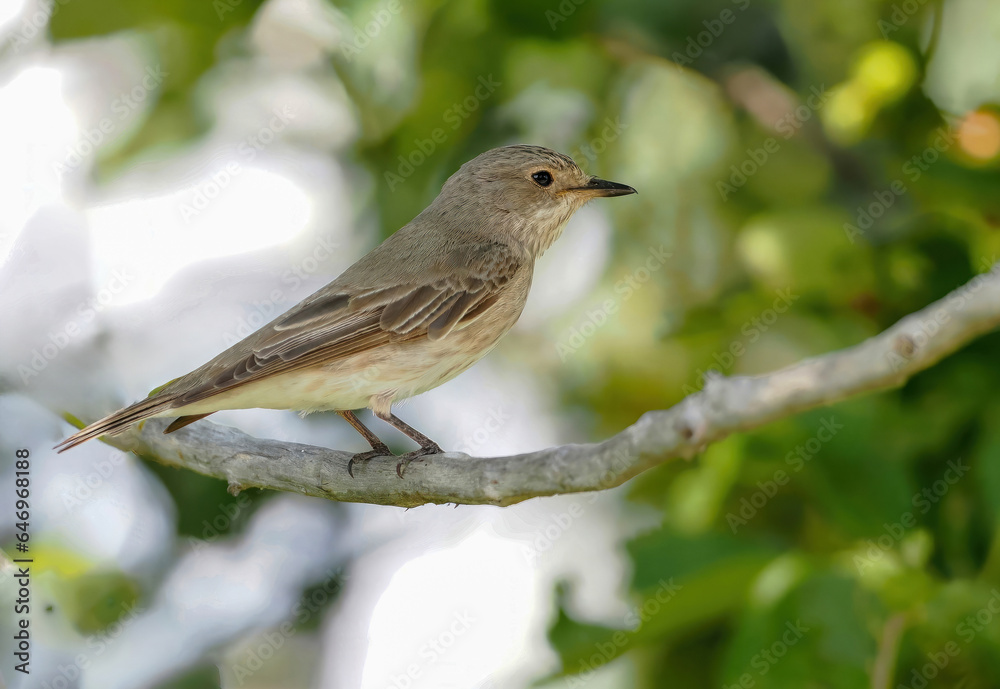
121	420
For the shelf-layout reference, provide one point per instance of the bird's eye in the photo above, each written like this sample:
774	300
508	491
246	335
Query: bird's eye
543	178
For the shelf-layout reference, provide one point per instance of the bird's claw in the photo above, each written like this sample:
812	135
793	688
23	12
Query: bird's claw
404	460
382	451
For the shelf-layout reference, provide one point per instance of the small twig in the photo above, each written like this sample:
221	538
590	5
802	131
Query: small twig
888	649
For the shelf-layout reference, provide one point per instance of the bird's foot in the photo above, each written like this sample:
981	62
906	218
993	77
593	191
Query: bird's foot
380	451
404	460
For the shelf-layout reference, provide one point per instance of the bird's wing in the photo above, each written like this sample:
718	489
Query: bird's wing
335	323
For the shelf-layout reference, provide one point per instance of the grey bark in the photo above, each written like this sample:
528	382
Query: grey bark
724	406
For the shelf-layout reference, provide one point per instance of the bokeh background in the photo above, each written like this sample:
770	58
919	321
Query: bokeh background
175	173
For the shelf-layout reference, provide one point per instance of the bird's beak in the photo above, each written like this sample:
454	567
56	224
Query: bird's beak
602	187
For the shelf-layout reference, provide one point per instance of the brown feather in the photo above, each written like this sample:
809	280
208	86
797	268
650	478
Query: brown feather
373	318
182	421
118	421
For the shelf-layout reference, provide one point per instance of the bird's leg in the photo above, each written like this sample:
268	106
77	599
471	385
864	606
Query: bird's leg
379	449
427	446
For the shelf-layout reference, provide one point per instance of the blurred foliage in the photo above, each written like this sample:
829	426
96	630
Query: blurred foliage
202	676
761	135
219	512
93	598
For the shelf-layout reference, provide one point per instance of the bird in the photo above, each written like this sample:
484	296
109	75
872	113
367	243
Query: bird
419	309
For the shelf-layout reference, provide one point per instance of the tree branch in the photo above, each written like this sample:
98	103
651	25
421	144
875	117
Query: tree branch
723	407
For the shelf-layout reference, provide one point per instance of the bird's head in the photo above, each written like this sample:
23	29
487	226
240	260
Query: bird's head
528	192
